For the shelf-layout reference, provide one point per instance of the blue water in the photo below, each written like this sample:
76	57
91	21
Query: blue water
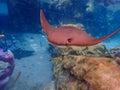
3	9
20	19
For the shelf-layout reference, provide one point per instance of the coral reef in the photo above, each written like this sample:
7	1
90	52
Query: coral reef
87	73
115	52
95	50
86	68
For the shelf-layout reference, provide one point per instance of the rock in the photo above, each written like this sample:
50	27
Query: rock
87	73
114	53
96	50
86	68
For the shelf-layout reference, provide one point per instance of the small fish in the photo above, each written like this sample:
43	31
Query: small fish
1	36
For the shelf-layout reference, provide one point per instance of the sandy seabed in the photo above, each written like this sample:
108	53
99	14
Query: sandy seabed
35	70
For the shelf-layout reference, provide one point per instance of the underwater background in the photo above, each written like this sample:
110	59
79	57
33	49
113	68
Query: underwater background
23	35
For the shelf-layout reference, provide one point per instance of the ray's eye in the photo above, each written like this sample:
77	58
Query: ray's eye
69	40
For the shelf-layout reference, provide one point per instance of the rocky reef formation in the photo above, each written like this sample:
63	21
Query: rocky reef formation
86	68
96	50
115	52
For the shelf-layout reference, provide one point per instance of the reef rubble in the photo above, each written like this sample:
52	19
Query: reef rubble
86	68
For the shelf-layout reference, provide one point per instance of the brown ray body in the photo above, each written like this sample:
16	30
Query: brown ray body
69	35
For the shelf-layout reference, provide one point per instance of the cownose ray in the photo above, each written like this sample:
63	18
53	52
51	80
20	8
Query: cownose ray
69	35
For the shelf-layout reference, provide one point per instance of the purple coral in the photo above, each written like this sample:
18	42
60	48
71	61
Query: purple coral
6	66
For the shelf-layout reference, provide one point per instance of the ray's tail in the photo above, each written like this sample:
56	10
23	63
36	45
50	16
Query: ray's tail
98	40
